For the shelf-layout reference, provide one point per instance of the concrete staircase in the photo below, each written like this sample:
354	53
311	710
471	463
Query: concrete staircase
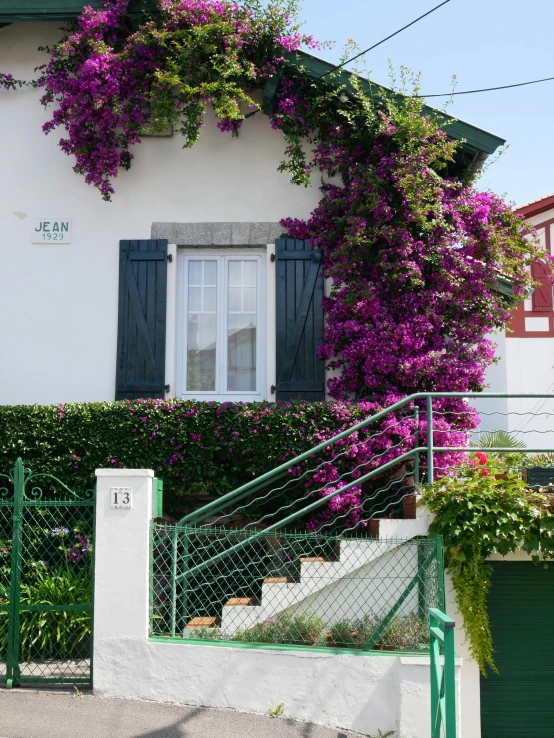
331	583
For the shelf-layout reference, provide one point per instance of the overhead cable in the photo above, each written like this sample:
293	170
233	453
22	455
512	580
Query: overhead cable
334	69
490	89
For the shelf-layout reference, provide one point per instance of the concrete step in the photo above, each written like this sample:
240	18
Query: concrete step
204	624
357	556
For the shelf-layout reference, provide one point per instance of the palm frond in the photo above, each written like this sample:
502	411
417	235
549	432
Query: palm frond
500	439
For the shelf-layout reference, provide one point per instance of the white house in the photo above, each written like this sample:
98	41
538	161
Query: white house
182	286
526	350
176	276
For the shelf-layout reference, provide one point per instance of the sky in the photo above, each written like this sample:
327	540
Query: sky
485	43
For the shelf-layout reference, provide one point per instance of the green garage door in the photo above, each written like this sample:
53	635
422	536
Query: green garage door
519	701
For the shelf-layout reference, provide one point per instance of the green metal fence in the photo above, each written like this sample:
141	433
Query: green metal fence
294	588
46	579
385	457
209	581
443	676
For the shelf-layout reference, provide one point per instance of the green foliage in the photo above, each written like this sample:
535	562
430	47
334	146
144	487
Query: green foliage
303	629
486	510
403	633
204	633
500	439
195	447
408	632
277	711
63	634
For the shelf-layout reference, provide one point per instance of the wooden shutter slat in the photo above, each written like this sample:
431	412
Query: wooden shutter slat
138	315
304	294
300	372
145	256
142	319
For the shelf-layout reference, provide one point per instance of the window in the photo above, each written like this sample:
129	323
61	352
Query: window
221	324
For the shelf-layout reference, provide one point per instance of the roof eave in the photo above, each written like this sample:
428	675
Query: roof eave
473	137
537	207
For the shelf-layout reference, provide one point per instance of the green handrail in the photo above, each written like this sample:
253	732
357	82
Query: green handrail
279	471
283	468
293	516
443	675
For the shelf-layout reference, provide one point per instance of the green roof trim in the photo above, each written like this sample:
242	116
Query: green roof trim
475	138
12	11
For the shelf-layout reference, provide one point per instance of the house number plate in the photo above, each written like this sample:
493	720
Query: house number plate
121	497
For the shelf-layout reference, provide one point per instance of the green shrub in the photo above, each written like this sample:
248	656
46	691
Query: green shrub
304	629
193	446
53	634
343	634
403	633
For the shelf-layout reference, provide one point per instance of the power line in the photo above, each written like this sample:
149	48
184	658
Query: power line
334	69
490	89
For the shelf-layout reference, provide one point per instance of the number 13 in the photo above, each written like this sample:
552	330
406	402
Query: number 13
125	497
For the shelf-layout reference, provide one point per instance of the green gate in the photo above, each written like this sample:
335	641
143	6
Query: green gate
46	579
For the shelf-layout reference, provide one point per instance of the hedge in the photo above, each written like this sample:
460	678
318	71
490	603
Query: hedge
195	447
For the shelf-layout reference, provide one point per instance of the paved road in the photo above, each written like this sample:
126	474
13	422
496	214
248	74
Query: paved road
55	714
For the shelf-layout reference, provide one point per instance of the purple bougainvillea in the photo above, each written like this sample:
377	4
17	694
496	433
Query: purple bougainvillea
109	83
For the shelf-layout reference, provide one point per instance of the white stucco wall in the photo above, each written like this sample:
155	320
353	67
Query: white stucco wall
526	366
58	303
361	693
530	368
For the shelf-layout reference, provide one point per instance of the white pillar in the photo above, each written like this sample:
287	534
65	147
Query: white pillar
121	569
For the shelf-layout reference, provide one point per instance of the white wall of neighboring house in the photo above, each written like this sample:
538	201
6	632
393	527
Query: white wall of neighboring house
58	303
526	366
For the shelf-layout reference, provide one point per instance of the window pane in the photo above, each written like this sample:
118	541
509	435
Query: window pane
249	273
241	353
201	353
234	299
202	326
242	327
195	299
210	272
195	272
249	299
210	299
234	273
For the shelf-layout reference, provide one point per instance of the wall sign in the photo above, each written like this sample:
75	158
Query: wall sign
121	498
51	230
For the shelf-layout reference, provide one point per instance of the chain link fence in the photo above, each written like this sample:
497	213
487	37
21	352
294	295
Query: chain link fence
46	582
293	588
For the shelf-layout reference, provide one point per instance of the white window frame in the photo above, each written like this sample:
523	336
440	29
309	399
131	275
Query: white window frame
222	256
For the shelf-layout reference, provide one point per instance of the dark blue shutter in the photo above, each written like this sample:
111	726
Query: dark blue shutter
300	373
142	319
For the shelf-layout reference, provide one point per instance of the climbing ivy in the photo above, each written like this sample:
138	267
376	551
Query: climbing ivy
486	509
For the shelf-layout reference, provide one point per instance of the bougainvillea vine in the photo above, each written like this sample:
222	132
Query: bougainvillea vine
109	82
